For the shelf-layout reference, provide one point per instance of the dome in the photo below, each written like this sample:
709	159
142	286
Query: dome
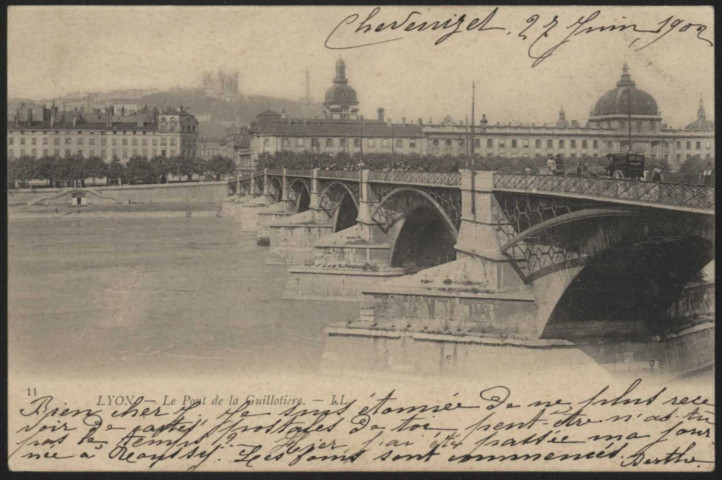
619	102
341	94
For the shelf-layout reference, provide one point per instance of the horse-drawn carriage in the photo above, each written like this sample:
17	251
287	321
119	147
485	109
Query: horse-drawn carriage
626	165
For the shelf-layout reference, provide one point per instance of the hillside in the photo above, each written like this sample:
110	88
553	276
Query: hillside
242	110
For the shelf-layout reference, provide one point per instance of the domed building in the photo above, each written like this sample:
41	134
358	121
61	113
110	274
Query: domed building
340	100
625	103
701	124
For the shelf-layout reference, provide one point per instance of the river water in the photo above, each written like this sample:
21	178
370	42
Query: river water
154	295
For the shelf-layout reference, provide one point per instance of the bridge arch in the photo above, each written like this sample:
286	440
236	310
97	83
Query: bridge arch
420	232
299	194
340	202
627	290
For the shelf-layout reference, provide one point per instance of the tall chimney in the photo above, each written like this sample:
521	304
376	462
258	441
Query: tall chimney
380	112
30	115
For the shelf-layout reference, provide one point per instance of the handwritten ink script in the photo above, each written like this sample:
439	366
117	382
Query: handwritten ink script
545	34
610	428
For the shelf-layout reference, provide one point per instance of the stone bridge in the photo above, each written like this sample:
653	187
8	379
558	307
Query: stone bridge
570	268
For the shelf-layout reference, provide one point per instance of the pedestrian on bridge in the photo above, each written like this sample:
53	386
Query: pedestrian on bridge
551	165
708	174
657	173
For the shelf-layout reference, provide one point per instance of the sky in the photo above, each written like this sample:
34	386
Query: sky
56	50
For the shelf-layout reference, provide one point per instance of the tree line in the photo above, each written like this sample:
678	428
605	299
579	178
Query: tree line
416	162
74	170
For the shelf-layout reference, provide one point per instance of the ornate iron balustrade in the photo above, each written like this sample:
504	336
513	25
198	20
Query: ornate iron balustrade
678	195
298	173
340	174
436	179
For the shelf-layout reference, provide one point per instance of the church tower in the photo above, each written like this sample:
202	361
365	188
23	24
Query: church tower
341	101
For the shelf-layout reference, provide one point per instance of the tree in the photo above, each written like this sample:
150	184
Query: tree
94	167
219	165
691	169
185	166
160	167
138	170
116	170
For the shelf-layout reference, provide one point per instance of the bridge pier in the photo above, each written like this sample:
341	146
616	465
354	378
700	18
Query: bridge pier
478	312
342	263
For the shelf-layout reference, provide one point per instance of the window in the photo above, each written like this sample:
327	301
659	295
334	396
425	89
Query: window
357	142
33	153
584	144
134	141
561	143
435	142
67	141
489	143
537	143
11	153
299	142
549	144
285	143
155	141
595	144
698	145
315	143
502	143
57	152
610	145
33	140
45	152
11	140
399	143
372	142
639	125
461	142
80	141
125	141
22	141
526	143
164	141
91	141
412	143
708	145
385	142
679	145
45	141
144	142
448	142
573	143
513	143
329	142
689	145
67	152
477	142
342	142
57	141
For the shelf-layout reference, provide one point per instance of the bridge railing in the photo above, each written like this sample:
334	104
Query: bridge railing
340	174
679	195
298	173
436	179
275	171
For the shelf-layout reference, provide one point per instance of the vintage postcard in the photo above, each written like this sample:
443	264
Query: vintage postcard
358	238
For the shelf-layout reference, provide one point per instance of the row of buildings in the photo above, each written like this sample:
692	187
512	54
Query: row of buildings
622	113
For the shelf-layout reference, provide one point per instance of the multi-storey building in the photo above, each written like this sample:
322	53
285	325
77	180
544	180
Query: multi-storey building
622	114
221	85
165	132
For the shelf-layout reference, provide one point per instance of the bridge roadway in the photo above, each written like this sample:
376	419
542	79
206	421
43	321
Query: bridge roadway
673	196
523	259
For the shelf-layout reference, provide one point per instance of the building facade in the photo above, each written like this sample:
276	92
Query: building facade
163	132
623	114
221	84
